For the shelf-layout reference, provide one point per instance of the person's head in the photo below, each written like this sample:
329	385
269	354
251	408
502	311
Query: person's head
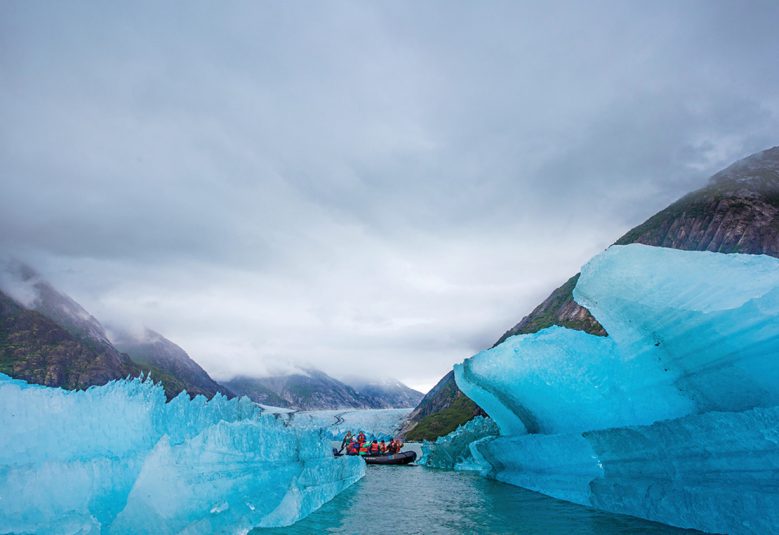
375	442
382	441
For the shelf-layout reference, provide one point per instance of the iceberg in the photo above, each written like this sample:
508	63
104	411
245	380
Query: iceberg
119	459
458	450
674	416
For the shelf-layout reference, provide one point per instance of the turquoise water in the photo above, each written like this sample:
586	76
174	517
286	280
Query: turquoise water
414	499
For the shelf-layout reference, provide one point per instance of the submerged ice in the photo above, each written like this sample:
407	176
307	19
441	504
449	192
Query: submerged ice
119	459
674	416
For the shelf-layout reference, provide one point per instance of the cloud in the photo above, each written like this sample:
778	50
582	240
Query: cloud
360	186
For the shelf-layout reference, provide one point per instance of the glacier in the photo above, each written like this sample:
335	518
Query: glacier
673	417
119	459
377	424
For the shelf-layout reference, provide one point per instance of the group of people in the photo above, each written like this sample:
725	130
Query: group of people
359	445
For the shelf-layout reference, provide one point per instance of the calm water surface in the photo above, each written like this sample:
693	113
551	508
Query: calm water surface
414	499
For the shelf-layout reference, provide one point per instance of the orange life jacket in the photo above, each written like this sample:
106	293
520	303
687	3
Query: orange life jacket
374	448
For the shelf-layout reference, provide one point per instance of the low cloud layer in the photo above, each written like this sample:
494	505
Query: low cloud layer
363	187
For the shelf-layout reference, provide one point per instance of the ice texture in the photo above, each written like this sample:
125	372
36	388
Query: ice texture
671	417
455	451
716	471
378	424
119	459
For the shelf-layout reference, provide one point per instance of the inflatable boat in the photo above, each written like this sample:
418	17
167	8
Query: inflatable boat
404	457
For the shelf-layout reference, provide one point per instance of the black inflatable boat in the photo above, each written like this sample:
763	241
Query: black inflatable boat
404	457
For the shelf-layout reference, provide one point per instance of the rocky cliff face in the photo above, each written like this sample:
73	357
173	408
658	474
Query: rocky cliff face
736	212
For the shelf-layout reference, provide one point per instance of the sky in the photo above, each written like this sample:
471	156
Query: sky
369	188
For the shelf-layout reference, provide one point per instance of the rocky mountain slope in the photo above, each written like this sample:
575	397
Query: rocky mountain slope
48	338
313	389
440	411
166	360
38	350
736	212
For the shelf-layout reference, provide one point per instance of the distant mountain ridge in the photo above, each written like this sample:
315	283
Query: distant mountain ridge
313	389
736	212
386	393
47	338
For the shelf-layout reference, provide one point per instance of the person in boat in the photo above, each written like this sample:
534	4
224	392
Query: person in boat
374	449
347	439
382	447
361	438
353	448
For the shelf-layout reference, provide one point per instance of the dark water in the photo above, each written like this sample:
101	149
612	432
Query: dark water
414	499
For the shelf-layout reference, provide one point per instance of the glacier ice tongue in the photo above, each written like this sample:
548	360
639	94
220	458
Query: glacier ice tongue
665	417
119	459
379	424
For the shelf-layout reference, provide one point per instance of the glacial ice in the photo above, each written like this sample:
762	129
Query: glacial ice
674	416
119	459
456	450
378	424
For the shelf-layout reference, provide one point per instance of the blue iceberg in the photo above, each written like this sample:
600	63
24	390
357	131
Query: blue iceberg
674	416
458	450
119	459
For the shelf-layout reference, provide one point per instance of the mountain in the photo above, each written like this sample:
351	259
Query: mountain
27	287
385	394
440	411
47	338
38	350
312	389
736	212
168	362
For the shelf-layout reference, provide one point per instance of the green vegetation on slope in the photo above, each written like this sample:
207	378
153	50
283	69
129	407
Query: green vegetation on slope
445	421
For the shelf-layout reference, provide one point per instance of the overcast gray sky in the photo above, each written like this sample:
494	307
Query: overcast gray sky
361	186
